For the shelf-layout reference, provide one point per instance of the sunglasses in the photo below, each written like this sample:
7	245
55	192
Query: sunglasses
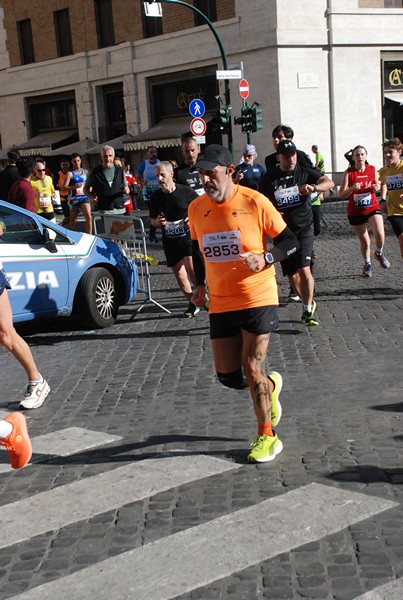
40	170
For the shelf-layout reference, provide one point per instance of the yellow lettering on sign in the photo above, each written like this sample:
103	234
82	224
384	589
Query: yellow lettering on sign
196	96
395	77
183	100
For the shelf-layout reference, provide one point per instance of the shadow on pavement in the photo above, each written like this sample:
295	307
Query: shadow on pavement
37	340
397	407
369	474
120	452
383	293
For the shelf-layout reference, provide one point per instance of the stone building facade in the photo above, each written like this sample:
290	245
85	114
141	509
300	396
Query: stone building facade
332	69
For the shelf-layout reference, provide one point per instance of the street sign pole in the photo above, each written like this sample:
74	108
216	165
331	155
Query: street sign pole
223	56
244	93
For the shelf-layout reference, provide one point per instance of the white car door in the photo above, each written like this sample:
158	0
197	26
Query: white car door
36	268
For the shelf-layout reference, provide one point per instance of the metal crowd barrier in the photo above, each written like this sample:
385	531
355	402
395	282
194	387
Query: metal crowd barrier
130	233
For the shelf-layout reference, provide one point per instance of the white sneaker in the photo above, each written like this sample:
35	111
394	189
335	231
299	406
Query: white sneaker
35	394
293	296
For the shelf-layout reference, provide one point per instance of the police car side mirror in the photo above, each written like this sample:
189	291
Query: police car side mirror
48	237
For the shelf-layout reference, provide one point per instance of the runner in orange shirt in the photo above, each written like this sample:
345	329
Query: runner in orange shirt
229	225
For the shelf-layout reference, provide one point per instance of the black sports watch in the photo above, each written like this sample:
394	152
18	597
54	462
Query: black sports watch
268	259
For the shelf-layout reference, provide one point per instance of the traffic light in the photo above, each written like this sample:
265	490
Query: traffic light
256	119
224	118
245	120
246	112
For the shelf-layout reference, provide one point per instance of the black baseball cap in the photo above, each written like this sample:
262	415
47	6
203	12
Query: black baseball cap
212	156
286	147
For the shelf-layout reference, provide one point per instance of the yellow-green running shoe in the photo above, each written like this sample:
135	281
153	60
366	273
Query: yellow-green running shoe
276	410
265	448
308	318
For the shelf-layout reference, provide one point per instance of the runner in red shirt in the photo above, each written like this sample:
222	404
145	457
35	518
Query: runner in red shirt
359	184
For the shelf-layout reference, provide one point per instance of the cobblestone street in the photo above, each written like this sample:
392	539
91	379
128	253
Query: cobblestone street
144	391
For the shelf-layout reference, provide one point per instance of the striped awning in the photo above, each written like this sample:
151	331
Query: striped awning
43	143
167	133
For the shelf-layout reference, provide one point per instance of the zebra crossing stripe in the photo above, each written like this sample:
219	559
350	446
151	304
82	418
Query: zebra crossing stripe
393	590
61	443
81	500
200	555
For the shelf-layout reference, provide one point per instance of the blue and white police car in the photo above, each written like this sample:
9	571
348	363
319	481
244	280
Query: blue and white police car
56	272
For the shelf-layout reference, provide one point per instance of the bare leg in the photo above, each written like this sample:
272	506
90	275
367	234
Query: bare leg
179	270
376	224
295	283
188	262
10	339
73	219
247	350
227	354
86	208
253	359
303	283
361	232
66	213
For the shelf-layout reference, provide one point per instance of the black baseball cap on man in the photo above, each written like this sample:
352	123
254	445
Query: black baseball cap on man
286	147
213	156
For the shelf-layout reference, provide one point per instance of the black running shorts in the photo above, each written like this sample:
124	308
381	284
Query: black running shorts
176	248
259	320
397	224
302	257
361	219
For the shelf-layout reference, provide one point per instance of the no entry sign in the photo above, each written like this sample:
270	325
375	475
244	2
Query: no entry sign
244	88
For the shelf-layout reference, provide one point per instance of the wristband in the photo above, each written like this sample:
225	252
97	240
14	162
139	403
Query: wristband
382	200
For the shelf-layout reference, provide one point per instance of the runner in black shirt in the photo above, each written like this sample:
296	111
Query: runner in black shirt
183	174
289	187
279	133
284	132
169	210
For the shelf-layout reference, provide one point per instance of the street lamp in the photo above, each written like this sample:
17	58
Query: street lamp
223	56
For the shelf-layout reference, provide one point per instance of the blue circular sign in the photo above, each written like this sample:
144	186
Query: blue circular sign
197	108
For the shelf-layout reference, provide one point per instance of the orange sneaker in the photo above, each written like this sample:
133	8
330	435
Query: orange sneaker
18	443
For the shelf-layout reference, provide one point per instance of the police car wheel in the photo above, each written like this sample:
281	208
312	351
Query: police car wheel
97	302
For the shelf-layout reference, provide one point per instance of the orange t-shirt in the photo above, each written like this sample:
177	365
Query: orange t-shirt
223	231
63	195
